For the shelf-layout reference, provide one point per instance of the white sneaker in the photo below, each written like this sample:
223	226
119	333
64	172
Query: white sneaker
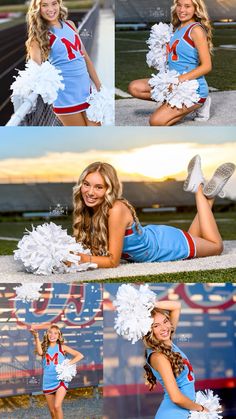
203	113
195	176
217	182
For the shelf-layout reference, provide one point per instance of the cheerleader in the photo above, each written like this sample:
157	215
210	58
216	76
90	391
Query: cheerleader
107	223
52	37
54	352
189	54
166	363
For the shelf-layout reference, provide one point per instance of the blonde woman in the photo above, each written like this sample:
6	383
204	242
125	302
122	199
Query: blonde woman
189	53
166	363
52	37
107	223
53	352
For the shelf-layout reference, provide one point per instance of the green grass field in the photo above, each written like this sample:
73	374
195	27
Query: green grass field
131	64
218	275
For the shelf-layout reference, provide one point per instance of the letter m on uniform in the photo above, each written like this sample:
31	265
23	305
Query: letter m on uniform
54	359
172	50
76	46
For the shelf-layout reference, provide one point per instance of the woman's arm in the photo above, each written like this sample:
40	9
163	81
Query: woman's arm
35	52
119	218
161	364
174	307
90	67
77	356
200	40
38	345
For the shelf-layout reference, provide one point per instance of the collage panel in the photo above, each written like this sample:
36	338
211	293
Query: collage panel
53	71
204	336
44	326
153	211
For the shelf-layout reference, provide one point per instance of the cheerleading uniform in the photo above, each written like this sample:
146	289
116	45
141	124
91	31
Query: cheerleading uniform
185	382
53	357
66	55
157	243
183	56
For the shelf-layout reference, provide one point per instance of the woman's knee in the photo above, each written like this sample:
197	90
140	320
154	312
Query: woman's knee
57	407
133	88
219	247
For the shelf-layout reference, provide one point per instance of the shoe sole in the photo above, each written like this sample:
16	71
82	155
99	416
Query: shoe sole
190	171
204	117
218	180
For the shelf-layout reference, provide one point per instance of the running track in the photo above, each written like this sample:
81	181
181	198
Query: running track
12	56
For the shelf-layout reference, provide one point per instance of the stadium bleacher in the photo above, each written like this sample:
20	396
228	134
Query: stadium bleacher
42	196
156	11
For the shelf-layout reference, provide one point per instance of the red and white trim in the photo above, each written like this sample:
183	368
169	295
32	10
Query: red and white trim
62	384
67	110
187	36
191	245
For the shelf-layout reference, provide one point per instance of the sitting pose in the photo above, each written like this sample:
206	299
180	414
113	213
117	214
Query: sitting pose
107	223
166	363
53	352
189	54
52	37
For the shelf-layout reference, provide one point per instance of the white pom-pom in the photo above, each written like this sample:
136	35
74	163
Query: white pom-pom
161	84
156	58
102	106
134	305
184	94
160	35
47	247
211	402
43	79
28	292
66	372
167	88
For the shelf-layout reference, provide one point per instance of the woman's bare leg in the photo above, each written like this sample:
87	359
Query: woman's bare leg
90	123
60	394
209	241
50	399
140	89
167	116
73	120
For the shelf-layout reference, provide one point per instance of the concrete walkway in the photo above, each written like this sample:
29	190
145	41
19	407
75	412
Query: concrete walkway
12	271
136	112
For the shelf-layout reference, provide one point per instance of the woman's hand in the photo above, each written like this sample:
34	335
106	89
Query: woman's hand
182	78
34	332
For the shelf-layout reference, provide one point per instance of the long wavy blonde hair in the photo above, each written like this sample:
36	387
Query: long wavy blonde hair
46	342
150	341
38	27
201	16
91	228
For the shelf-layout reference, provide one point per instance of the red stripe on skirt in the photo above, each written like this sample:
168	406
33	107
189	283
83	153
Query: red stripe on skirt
70	109
192	248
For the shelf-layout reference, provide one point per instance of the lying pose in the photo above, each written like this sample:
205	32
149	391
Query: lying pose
107	223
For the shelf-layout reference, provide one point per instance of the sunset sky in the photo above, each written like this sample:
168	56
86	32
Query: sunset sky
56	154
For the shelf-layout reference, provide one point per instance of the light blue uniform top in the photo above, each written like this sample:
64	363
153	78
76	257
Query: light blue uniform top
53	357
66	55
157	243
183	55
185	381
65	50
